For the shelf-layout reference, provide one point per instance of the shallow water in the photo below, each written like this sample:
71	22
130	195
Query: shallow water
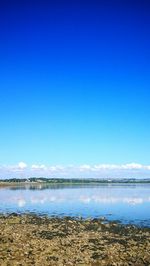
128	203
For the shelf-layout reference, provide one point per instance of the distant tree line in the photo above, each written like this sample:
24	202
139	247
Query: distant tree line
73	180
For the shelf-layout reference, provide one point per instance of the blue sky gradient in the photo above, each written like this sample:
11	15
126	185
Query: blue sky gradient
74	82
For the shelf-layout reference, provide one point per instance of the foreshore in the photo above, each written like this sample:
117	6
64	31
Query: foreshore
34	240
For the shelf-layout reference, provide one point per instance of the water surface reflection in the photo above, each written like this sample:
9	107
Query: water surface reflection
125	202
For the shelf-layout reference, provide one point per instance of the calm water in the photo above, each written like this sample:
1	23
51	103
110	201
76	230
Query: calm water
127	203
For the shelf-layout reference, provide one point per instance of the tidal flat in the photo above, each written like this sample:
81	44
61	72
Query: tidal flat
30	239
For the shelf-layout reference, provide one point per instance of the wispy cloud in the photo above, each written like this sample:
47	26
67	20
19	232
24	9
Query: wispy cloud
38	167
85	170
21	166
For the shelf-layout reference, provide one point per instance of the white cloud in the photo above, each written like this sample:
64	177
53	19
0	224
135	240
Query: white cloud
106	167
113	167
133	166
85	167
38	167
98	170
148	167
22	165
53	168
56	168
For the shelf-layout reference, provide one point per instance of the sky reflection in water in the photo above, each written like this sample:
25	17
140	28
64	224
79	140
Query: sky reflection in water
127	203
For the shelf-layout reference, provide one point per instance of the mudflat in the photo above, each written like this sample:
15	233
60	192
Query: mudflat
39	240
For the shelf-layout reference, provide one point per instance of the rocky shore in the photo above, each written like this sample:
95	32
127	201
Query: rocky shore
34	240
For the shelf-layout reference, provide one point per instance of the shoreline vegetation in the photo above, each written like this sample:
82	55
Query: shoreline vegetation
70	181
28	239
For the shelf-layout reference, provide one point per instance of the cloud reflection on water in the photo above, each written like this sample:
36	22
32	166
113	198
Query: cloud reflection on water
122	202
97	195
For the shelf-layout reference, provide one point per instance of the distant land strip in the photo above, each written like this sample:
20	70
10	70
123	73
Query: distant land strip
70	181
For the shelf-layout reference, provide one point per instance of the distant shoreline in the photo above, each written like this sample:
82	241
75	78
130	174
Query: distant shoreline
66	181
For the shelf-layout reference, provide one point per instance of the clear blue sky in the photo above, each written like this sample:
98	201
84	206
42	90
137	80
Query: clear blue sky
74	82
